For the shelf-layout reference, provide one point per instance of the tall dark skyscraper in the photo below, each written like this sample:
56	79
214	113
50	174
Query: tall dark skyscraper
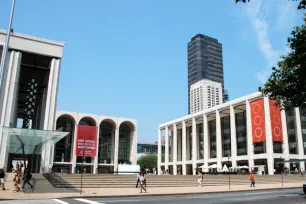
205	61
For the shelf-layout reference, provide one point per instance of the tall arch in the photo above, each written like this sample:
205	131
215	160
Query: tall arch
87	121
106	141
63	149
126	133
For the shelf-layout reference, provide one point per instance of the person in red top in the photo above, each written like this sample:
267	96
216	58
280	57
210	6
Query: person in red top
252	179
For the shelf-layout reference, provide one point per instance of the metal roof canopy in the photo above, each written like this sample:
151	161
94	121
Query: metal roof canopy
29	141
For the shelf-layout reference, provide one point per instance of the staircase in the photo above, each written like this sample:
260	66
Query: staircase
60	180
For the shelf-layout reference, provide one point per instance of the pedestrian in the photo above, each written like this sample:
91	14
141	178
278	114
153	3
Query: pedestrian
252	179
17	165
17	180
26	178
200	177
2	175
21	166
142	180
138	179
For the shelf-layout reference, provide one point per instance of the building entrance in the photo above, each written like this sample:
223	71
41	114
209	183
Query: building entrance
26	146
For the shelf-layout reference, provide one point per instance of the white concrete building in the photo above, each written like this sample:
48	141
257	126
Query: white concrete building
246	131
40	146
205	94
116	142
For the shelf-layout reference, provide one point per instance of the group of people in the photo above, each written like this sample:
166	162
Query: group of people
200	178
141	181
27	176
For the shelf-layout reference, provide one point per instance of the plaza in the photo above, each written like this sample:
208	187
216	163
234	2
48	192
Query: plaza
248	131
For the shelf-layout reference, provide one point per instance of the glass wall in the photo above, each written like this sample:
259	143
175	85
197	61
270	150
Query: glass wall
106	142
179	144
241	133
226	136
303	124
277	147
170	136
291	129
124	144
212	138
200	141
63	148
189	143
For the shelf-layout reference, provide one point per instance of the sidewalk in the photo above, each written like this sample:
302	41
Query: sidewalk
44	190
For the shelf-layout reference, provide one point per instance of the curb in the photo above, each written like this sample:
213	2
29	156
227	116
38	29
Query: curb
159	194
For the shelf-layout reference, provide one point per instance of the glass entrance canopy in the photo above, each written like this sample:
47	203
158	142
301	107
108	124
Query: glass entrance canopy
29	141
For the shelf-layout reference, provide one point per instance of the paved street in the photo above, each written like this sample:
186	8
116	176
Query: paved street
292	196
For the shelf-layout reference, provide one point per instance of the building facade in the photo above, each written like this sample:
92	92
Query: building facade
205	94
33	132
205	61
115	140
246	131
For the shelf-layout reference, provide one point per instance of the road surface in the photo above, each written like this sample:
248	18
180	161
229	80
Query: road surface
292	196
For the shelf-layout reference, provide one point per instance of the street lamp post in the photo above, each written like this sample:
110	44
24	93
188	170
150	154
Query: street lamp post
5	48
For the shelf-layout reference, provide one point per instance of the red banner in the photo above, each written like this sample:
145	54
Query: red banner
276	122
258	121
87	140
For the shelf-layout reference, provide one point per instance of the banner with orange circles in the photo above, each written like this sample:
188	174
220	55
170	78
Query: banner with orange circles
258	121
276	122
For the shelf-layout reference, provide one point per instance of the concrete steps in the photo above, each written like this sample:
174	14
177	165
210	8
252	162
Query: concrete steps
60	180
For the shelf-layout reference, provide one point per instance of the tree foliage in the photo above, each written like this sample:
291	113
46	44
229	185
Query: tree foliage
287	83
147	161
302	4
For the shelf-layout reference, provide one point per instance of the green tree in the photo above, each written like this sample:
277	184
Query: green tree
302	4
147	161
287	83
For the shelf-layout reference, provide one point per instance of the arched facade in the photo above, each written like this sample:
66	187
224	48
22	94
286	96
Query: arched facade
116	143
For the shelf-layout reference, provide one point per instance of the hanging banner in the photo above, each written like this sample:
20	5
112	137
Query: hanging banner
86	140
258	121
276	122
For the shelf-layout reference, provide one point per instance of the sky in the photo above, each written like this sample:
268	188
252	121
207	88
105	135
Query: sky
129	58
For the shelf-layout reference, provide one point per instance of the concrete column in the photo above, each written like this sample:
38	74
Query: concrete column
285	139
269	141
49	117
299	133
174	149
184	148
74	147
194	146
9	97
166	148
95	171
249	134
134	148
218	139
116	150
205	142
159	152
233	137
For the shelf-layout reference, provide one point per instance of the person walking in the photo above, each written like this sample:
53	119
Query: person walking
17	165
252	179
26	178
138	179
142	180
17	180
2	175
200	177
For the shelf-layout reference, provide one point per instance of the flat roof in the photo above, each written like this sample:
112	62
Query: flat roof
32	44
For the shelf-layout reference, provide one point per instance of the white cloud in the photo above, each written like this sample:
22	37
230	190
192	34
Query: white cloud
280	15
